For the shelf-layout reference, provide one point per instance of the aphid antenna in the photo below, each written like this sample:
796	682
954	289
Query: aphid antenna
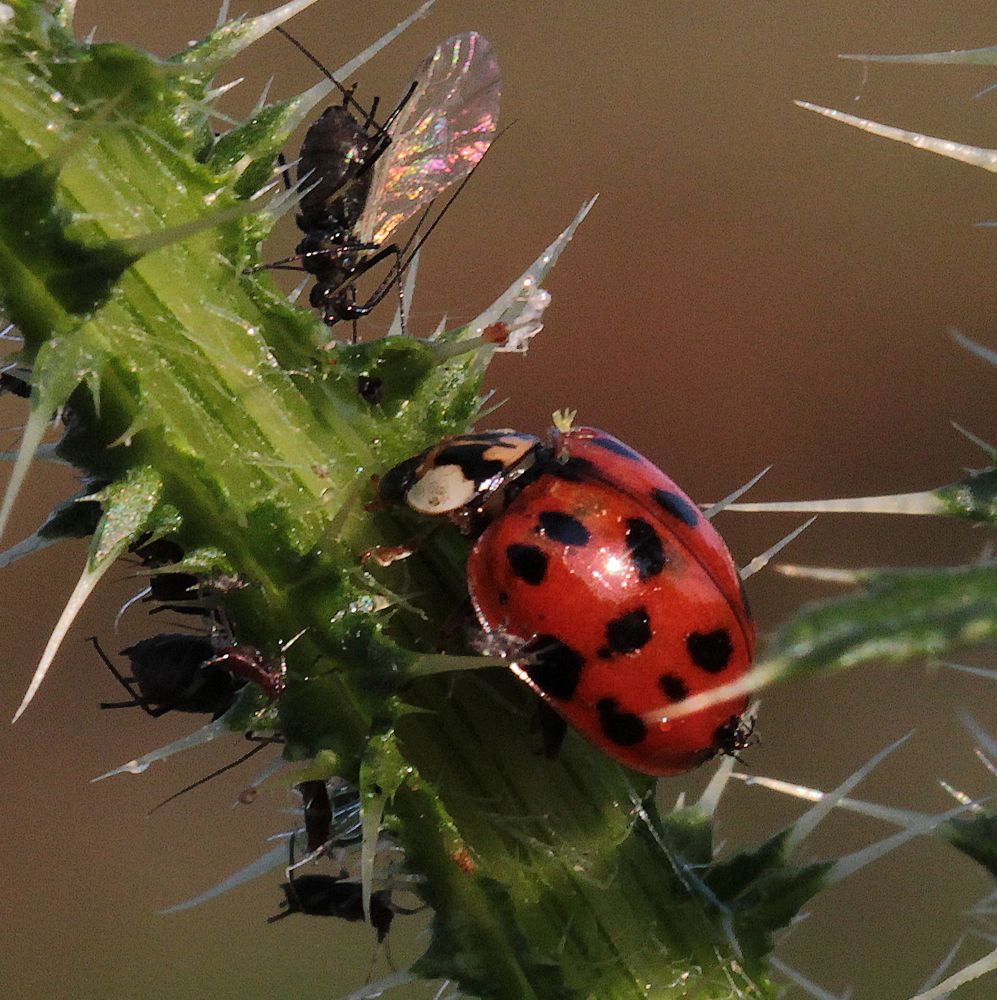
260	745
144	592
347	92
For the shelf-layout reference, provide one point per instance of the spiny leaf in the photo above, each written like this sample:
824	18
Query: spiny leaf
974	155
898	615
956	57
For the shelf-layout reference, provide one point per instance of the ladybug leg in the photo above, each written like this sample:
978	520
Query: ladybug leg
552	728
385	555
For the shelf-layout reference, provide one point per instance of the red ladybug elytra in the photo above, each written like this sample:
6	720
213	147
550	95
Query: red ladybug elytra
620	599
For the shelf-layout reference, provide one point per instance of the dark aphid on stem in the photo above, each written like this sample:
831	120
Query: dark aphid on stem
179	672
317	808
168	587
14	383
363	180
330	896
332	820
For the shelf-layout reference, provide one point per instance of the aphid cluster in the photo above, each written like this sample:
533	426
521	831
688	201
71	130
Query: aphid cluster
187	671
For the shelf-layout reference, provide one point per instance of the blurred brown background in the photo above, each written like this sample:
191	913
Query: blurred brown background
755	285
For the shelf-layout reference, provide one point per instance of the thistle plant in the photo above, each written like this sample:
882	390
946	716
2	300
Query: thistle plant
205	410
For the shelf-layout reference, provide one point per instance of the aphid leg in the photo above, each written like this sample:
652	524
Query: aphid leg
284	172
126	683
370	115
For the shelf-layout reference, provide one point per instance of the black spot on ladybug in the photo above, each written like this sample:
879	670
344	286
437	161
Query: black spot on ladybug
370	388
604	653
563	528
528	563
622	728
710	651
554	667
503	597
617	447
629	632
646	551
673	687
470	459
677	506
572	470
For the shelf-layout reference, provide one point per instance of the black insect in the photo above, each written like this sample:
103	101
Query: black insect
735	735
318	812
370	388
178	589
13	383
331	896
363	180
180	672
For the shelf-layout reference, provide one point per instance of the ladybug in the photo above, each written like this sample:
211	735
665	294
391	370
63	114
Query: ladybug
612	594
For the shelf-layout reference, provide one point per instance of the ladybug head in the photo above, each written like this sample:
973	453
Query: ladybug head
396	483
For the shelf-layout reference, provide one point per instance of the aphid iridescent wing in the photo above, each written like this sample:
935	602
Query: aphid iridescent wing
439	136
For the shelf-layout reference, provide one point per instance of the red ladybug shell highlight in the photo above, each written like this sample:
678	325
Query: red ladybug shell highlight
622	596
